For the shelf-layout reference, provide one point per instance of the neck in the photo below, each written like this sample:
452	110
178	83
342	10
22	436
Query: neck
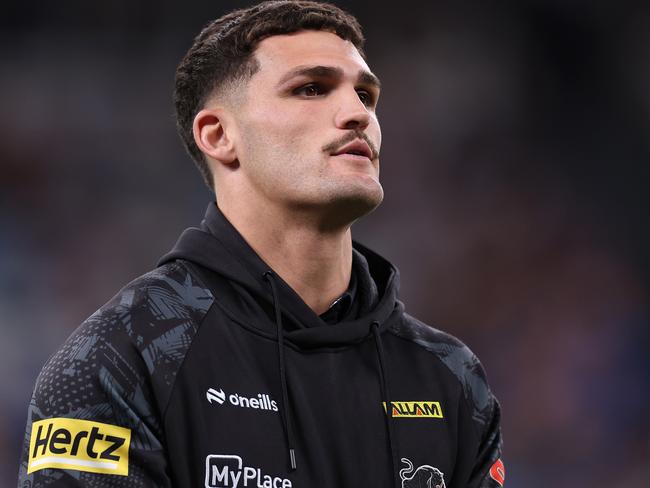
315	261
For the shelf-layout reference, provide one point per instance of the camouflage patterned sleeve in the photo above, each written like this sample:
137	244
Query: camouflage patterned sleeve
95	418
489	470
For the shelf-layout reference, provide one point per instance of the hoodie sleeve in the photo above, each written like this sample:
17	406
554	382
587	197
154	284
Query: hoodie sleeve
95	418
487	469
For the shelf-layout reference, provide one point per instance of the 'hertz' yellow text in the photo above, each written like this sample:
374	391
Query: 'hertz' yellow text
81	445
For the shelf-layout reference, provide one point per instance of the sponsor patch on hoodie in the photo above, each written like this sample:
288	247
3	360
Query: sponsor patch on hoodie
498	472
228	471
416	409
81	445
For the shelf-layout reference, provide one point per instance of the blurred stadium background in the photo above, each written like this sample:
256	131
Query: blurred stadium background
516	164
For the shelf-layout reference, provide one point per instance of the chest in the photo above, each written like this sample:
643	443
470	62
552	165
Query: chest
226	423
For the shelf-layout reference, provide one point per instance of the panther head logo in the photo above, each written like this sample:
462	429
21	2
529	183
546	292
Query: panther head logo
423	477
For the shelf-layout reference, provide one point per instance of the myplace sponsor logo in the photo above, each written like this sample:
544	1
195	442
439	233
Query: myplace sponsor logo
228	471
260	402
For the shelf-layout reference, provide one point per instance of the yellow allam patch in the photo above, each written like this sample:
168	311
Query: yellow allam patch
416	409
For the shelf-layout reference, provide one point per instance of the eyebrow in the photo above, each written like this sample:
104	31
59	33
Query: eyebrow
364	77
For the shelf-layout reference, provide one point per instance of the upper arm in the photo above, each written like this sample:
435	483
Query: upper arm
96	412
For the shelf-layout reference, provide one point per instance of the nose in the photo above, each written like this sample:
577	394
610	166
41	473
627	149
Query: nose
352	113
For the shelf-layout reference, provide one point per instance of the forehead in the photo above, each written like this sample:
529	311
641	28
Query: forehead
278	54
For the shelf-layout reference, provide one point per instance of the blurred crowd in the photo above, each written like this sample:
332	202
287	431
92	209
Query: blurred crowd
515	161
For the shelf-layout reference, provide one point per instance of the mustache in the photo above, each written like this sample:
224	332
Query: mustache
334	146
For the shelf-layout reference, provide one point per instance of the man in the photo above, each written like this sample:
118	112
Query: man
268	350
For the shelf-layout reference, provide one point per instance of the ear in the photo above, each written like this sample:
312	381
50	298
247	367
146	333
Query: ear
211	136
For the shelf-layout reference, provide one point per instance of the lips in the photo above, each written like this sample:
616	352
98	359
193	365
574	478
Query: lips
357	148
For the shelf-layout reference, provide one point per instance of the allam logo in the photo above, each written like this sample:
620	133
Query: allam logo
228	471
416	409
260	402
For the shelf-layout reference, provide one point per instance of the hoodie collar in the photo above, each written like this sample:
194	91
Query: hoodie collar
218	246
342	306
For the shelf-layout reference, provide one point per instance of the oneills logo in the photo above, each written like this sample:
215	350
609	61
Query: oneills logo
416	409
79	444
261	402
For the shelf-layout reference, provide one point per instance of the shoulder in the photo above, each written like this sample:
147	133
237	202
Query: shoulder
143	332
115	374
458	359
166	301
167	292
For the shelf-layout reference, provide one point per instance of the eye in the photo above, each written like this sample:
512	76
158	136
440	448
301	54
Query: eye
366	97
310	90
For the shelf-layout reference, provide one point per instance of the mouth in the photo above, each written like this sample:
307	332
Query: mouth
357	147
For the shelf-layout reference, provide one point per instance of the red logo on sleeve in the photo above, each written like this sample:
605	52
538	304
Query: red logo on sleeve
498	472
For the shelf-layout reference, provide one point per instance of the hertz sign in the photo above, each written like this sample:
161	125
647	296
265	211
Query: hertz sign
416	409
79	444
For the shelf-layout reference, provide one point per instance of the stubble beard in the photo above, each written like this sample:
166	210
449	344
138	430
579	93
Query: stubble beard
339	203
352	200
326	198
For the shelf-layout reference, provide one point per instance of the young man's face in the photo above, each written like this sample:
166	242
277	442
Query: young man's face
308	135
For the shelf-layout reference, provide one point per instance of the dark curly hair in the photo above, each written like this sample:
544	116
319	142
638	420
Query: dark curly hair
222	53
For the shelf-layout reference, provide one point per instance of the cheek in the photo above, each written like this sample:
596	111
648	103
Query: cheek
375	130
278	127
288	140
274	147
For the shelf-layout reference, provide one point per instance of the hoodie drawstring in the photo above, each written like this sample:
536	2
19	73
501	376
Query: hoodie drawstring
385	391
385	396
288	432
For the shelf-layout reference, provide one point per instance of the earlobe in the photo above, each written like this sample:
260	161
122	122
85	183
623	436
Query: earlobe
211	136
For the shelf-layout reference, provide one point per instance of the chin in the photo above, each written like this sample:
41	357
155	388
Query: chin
349	206
338	204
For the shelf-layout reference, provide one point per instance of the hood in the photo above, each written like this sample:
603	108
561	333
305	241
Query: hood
219	247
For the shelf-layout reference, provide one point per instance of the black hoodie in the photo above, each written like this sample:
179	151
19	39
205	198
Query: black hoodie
211	371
